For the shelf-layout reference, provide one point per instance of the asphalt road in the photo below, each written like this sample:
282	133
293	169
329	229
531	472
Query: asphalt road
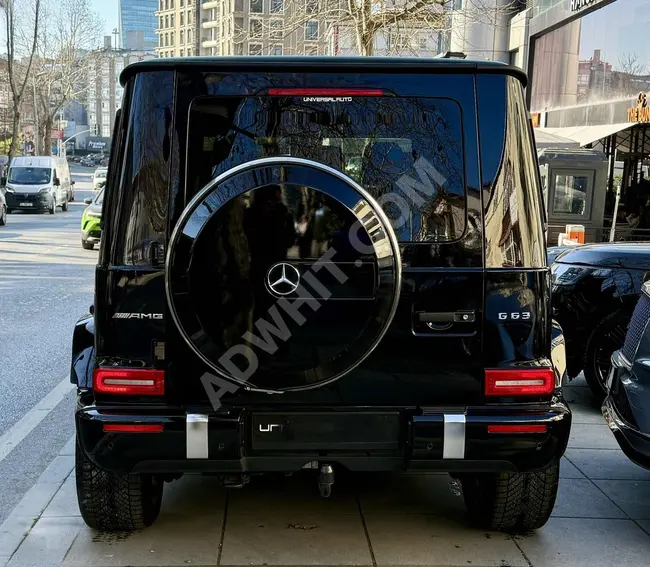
46	284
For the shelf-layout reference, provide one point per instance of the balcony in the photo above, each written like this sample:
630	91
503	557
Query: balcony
210	43
210	4
209	24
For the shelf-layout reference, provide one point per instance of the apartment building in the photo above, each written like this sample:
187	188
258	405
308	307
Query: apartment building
265	27
242	27
104	92
177	25
412	40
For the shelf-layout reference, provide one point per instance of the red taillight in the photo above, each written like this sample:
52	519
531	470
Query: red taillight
129	381
517	428
519	382
133	428
326	92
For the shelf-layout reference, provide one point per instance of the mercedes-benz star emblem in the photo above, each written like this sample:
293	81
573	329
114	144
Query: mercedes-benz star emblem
283	278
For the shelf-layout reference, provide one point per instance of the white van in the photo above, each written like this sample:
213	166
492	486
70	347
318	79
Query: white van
39	184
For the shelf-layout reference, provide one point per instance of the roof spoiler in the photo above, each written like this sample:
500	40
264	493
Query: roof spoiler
451	55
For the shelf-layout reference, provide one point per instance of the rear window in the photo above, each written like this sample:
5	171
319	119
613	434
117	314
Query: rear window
403	151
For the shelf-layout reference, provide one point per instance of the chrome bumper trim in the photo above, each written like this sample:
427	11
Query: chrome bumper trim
454	436
196	436
619	360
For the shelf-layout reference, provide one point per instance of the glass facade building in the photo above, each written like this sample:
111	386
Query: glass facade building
138	24
599	55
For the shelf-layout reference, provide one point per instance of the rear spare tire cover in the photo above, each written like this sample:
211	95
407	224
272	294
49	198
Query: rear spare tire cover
283	274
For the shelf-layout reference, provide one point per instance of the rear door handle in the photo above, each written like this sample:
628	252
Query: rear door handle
441	317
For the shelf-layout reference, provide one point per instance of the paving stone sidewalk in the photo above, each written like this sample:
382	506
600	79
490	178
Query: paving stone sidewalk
602	518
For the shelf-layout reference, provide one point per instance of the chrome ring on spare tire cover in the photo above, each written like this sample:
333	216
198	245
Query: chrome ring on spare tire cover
226	246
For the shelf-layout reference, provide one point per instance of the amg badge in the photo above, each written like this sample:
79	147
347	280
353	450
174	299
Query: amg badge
153	316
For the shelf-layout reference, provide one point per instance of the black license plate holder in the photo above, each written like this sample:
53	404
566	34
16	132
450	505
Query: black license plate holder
325	431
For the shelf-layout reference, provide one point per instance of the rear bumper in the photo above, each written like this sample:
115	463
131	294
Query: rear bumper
384	439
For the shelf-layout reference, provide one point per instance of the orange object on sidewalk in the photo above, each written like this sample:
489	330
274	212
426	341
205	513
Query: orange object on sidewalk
576	232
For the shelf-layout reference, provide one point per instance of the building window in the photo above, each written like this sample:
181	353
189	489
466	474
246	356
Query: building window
423	42
276	50
239	48
311	7
171	4
257	6
311	50
275	29
182	52
167	21
239	6
254	29
181	3
166	39
277	6
160	40
182	38
172	21
182	18
189	52
189	17
311	31
166	4
171	39
161	4
570	194
255	49
403	43
162	22
189	36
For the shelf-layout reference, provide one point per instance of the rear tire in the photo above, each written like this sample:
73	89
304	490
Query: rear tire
64	207
87	245
111	501
511	502
53	207
607	337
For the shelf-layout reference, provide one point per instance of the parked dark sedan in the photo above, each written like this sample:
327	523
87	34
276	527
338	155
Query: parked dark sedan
627	407
595	289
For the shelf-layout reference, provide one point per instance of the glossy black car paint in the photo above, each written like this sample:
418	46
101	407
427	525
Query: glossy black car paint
590	282
627	407
495	270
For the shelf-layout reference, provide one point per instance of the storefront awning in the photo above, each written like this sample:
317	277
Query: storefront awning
547	140
587	134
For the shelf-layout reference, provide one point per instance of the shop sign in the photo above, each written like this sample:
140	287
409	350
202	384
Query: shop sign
96	144
57	135
641	112
579	4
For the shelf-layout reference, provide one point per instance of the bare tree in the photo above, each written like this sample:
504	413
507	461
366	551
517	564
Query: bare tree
17	27
69	33
632	74
631	64
360	23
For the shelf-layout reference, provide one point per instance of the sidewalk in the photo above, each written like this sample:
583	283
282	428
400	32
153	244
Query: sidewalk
602	518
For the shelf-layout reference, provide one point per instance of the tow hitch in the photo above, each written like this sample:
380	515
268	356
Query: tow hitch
326	480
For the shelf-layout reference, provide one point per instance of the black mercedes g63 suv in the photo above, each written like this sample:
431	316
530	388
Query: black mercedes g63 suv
321	263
